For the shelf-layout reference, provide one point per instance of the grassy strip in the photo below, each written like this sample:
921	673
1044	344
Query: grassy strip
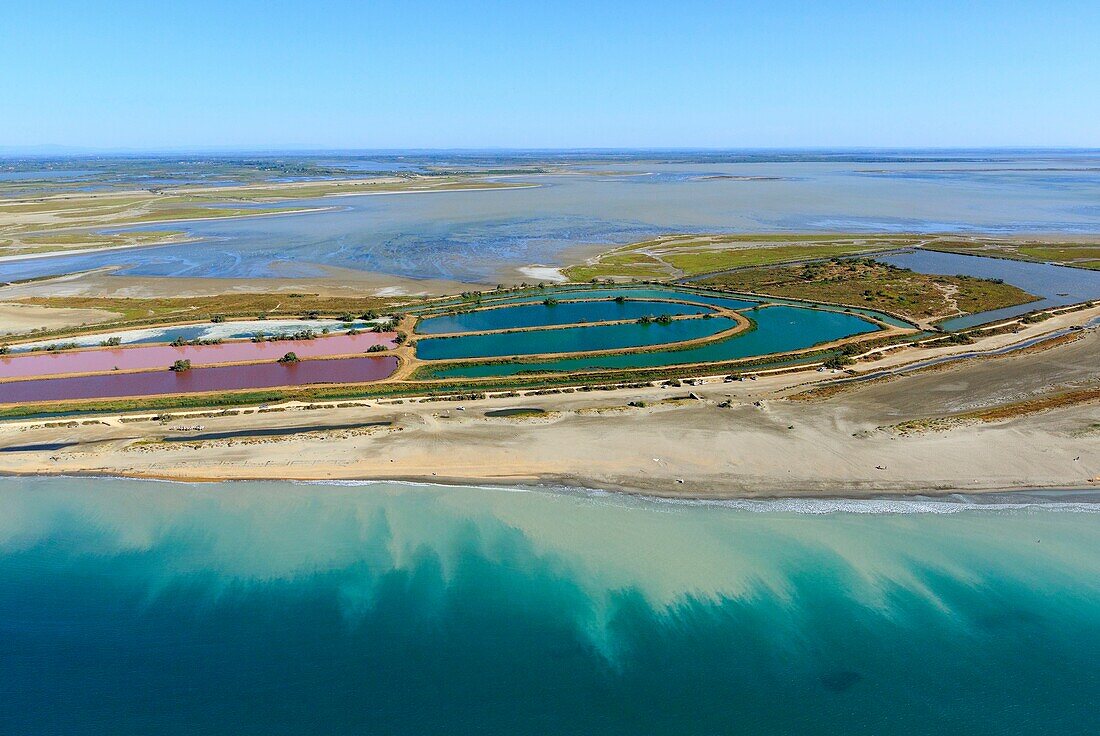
1033	406
689	255
97	210
1073	255
74	241
328	189
1002	413
623	265
202	307
697	263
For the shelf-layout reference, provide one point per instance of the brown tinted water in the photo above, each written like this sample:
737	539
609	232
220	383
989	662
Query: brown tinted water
196	380
162	356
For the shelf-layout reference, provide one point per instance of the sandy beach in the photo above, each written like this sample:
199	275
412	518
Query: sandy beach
919	432
18	319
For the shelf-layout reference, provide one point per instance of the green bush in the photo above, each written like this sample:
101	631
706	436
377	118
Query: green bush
838	361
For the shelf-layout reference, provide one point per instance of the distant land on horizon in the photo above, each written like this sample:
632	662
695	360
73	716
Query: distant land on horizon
47	150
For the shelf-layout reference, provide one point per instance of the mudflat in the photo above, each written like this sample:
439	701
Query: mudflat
23	318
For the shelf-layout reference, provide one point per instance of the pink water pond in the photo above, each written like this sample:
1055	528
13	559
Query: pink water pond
148	357
196	380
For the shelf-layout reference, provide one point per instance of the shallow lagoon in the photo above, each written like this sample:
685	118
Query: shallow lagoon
569	339
540	315
779	329
477	236
261	608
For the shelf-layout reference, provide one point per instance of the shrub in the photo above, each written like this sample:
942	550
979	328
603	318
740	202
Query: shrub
838	361
376	349
289	358
180	342
851	349
110	342
180	366
218	318
958	338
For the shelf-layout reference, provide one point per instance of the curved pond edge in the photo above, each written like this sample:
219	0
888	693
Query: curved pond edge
432	372
701	310
741	324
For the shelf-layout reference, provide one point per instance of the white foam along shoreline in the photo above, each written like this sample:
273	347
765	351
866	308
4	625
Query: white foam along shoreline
1084	500
1066	500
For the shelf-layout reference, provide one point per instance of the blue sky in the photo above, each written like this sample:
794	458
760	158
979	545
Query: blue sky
409	74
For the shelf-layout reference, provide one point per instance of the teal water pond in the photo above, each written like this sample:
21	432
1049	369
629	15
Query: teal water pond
778	330
541	315
569	339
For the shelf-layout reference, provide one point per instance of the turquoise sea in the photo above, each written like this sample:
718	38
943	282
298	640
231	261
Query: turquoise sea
131	607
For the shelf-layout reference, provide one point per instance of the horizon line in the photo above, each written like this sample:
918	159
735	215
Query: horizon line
46	150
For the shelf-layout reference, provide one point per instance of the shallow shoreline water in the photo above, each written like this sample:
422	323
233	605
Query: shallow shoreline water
140	607
1083	498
